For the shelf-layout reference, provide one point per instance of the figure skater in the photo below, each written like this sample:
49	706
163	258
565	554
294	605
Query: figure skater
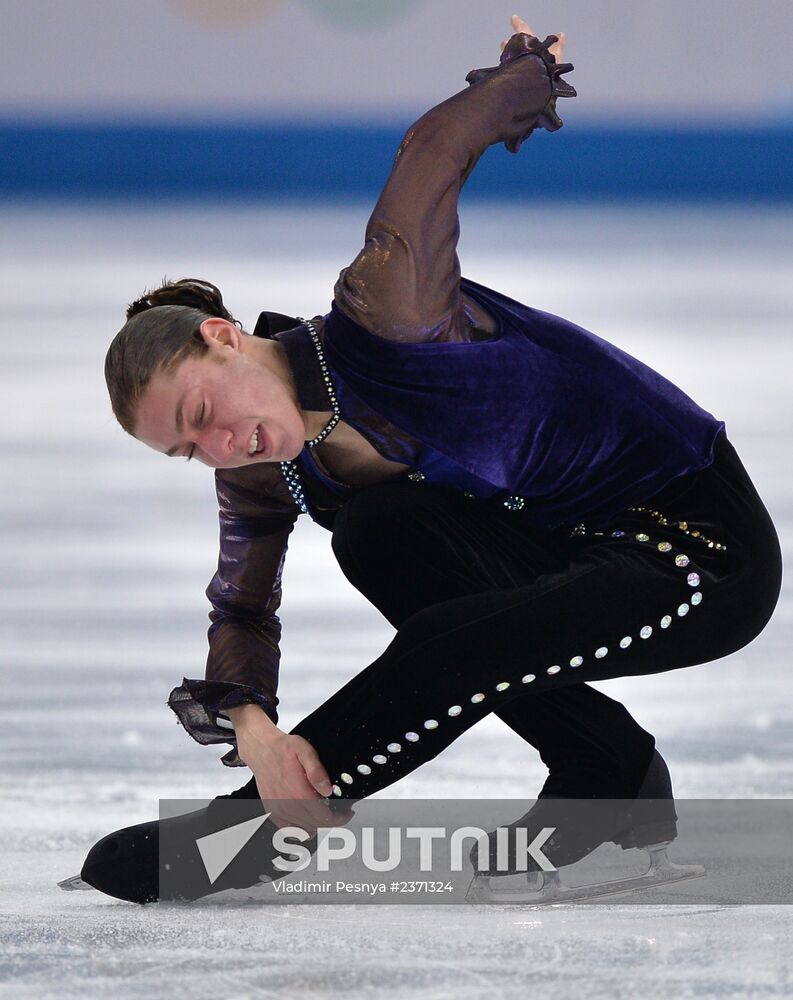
530	507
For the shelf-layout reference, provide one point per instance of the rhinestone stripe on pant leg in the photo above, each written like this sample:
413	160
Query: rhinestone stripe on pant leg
493	692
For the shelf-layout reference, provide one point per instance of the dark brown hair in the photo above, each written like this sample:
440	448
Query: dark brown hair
162	329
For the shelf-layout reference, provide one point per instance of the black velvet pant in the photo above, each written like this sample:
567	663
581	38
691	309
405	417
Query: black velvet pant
494	615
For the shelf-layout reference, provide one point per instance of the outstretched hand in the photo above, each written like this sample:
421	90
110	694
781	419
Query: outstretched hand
519	25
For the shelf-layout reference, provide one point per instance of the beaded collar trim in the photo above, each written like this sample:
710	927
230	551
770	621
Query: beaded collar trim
289	468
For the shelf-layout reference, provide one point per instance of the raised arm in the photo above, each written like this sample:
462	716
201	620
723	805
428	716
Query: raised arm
405	283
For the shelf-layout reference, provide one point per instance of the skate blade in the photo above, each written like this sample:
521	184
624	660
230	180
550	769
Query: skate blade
551	889
75	882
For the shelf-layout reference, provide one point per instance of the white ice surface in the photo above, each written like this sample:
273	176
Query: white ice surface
106	550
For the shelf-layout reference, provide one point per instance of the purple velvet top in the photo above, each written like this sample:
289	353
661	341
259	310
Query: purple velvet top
542	410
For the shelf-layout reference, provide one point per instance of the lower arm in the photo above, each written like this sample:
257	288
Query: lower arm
500	107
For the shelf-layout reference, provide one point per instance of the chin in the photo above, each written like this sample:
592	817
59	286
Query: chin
294	451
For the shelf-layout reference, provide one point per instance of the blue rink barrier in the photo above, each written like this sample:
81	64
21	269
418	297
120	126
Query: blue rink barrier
269	160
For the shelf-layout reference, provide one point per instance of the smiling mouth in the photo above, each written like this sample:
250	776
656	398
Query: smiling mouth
257	443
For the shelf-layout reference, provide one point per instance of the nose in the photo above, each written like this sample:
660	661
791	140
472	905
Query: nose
217	443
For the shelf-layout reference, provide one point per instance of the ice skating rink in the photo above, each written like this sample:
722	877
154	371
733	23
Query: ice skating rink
107	548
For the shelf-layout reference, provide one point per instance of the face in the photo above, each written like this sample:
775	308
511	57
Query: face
233	406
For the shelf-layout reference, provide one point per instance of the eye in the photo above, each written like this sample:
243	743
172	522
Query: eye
198	422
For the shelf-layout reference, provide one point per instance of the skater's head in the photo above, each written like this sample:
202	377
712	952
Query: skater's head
186	380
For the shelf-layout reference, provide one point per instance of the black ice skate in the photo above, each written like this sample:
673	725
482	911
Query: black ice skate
126	863
579	827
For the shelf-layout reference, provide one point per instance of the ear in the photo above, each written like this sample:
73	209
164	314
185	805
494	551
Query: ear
220	333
